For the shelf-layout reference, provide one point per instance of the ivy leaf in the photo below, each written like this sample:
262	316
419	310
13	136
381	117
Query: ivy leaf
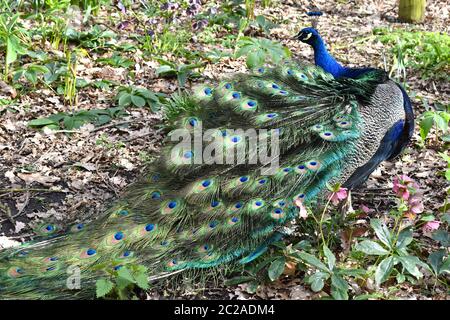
103	287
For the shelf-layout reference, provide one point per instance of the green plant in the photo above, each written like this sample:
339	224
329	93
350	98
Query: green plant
437	119
70	121
264	24
446	157
182	71
216	55
13	36
268	267
96	38
391	249
250	9
428	52
31	73
70	81
167	41
56	70
117	61
122	282
139	97
326	270
440	264
261	51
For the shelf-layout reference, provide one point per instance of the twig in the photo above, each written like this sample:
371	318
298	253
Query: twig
145	135
110	125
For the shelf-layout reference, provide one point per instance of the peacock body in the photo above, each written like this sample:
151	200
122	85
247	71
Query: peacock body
332	125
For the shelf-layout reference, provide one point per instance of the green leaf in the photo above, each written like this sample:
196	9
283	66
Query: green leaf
384	270
147	94
11	50
442	236
410	264
447	174
252	287
138	101
445	218
302	245
400	277
435	260
371	248
317	280
381	231
124	273
445	267
124	99
103	287
255	59
103	119
405	237
338	282
165	70
441	122
41	122
312	260
338	294
331	259
425	125
69	122
276	268
142	280
353	272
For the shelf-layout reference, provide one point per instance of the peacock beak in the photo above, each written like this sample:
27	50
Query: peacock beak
298	36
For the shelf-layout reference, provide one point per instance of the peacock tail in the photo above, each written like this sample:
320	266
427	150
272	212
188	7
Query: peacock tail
192	212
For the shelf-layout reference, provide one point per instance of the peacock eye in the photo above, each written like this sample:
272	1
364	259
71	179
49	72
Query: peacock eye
308	36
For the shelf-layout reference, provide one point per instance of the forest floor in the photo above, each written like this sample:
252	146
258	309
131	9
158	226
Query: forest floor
72	176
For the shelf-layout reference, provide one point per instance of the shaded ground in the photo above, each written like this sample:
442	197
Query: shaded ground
76	175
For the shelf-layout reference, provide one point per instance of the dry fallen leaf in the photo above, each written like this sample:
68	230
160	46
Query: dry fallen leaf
29	178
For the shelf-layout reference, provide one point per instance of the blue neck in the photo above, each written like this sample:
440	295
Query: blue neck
323	59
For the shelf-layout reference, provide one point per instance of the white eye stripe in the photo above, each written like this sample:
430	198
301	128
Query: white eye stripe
308	36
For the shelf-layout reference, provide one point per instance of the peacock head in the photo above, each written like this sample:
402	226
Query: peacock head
308	35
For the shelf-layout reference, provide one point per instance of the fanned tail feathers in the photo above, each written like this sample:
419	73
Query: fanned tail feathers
182	214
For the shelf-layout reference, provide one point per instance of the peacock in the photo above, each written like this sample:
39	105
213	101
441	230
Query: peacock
193	209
